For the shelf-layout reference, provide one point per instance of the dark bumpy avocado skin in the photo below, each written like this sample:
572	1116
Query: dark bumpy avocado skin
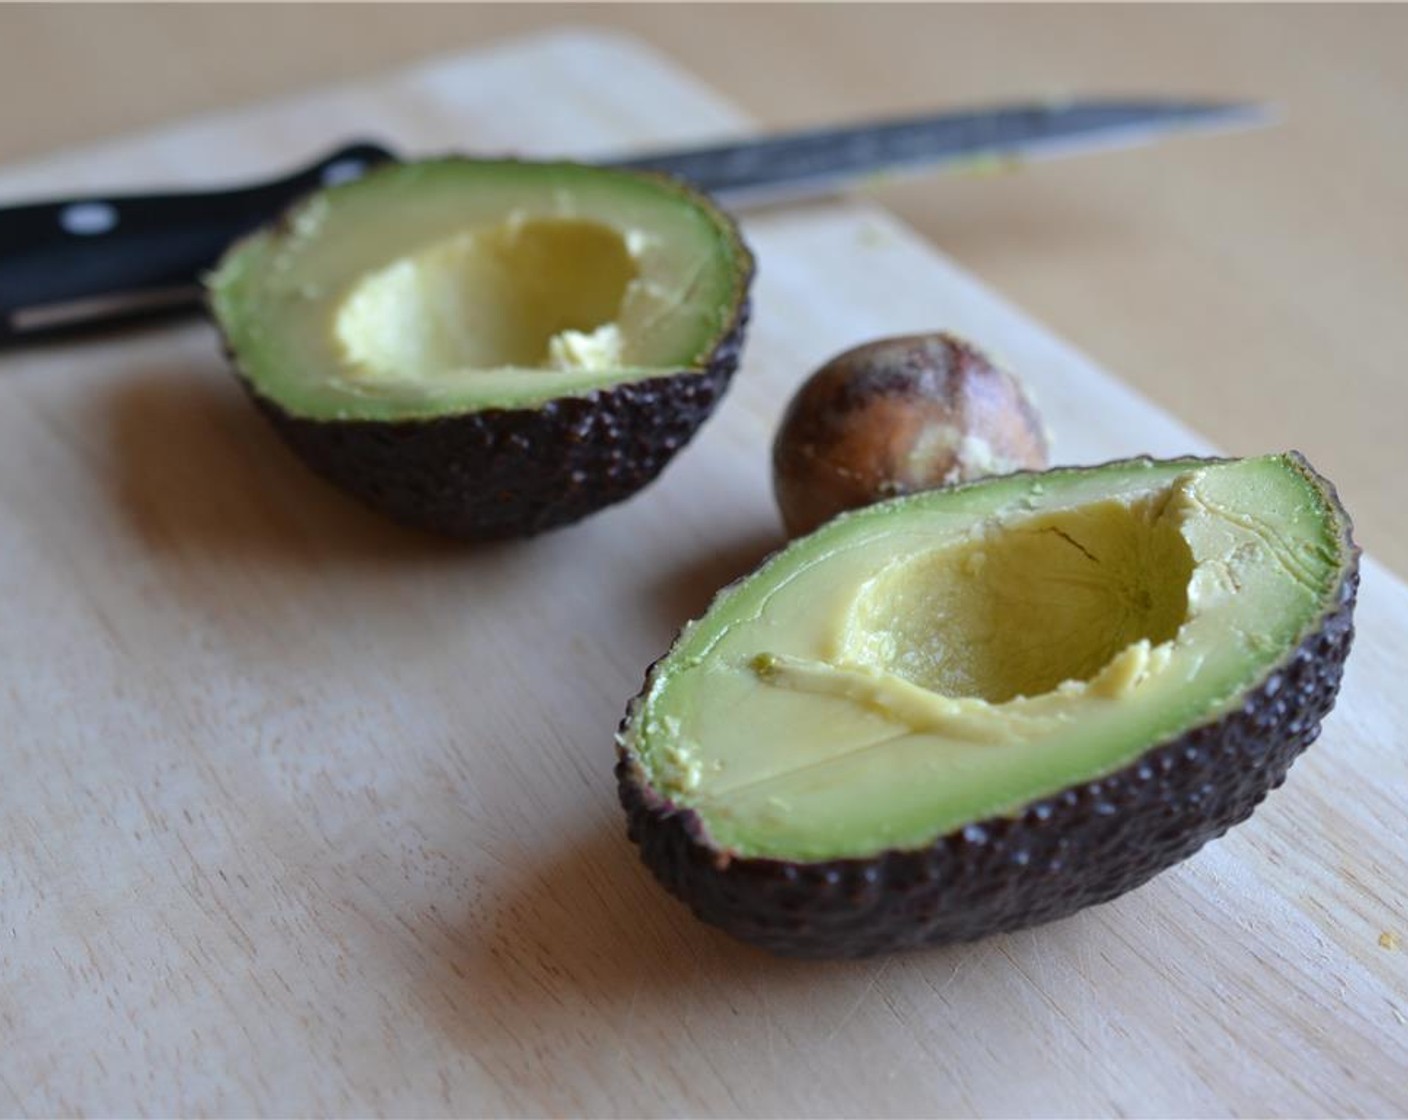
1086	845
500	473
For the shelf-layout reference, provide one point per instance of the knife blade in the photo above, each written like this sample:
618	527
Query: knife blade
69	265
818	161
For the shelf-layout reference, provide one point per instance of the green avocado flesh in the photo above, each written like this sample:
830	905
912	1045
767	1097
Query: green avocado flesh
950	657
456	285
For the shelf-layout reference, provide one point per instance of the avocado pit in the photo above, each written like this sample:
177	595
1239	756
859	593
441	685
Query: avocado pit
896	416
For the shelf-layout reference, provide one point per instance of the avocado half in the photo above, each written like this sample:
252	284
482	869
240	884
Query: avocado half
978	709
488	348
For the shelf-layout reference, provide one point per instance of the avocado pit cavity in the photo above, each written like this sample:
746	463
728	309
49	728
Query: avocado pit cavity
1017	611
1081	603
540	293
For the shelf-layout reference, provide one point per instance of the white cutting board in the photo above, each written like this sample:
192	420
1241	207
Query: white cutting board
302	813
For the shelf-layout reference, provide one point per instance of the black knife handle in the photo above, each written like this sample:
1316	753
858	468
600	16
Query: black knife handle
73	250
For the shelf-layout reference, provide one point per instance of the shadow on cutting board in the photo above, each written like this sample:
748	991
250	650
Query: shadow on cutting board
588	961
684	592
198	472
587	946
219	529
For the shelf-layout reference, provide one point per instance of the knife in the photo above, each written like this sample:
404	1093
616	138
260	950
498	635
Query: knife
74	264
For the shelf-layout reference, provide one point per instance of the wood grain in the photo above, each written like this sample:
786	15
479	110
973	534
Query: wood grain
306	814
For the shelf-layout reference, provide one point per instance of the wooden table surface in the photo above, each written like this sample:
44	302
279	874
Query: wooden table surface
1252	285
